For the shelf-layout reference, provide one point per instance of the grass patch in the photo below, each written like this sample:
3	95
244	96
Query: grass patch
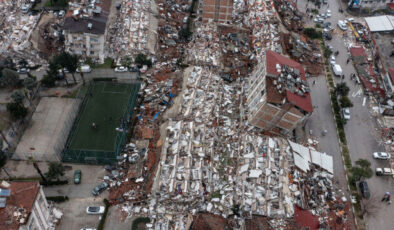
315	11
138	221
57	3
108	64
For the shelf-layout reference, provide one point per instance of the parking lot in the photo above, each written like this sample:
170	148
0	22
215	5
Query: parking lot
80	196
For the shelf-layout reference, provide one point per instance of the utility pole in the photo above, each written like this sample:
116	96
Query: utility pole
3	136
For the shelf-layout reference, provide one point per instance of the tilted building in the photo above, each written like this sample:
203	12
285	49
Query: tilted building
278	95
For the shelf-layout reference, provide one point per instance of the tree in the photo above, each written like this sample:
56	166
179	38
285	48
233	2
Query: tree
48	81
9	78
369	207
312	33
345	102
3	157
30	82
55	170
342	89
185	34
141	59
18	96
361	170
17	110
126	61
35	165
71	63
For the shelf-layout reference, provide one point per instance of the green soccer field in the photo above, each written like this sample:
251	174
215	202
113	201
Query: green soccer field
106	104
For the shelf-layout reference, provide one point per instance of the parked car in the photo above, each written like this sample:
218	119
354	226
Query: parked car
332	60
328	13
88	229
121	69
99	188
95	210
346	113
342	25
327	35
23	70
384	172
84	69
134	69
363	186
381	155
77	176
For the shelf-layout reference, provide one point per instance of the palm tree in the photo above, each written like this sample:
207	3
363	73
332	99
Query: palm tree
73	64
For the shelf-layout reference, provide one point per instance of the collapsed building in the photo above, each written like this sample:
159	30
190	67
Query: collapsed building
85	29
217	10
278	98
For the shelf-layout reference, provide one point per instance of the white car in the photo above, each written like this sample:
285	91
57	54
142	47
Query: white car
88	229
342	25
384	172
95	210
121	69
346	113
349	20
381	155
84	69
332	60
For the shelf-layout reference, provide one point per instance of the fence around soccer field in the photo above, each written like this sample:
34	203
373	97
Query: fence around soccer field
94	156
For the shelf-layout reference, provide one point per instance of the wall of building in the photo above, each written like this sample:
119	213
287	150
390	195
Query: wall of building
39	216
217	10
86	45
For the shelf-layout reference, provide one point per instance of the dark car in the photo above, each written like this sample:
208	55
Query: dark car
77	176
226	77
99	188
364	189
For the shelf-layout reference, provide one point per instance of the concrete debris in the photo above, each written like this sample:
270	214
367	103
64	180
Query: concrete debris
133	28
16	30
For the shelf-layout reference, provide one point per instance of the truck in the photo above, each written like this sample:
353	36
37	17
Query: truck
337	70
384	172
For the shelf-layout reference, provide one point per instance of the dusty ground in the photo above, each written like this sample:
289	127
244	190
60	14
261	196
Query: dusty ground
43	138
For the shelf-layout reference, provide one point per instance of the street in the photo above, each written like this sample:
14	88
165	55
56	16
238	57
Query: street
362	133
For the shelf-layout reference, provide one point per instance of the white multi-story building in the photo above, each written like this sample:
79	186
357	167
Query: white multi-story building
23	206
85	30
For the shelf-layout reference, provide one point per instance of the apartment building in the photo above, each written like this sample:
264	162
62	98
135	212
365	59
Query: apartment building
23	206
85	29
278	98
217	10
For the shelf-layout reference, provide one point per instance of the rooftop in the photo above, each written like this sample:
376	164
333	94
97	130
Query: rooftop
288	79
88	20
20	202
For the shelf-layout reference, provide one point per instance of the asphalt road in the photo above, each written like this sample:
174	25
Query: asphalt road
361	130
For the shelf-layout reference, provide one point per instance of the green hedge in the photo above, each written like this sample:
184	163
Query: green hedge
57	182
104	217
139	220
57	199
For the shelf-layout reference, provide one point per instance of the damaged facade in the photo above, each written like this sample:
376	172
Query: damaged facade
278	97
85	29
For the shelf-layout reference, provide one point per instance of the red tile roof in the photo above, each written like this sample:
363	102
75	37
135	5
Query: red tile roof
390	5
275	58
391	73
358	51
302	102
23	195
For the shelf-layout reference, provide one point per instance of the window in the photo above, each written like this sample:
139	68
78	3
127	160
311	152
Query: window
92	52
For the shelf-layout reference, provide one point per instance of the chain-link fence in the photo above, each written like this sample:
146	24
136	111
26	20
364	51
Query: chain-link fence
90	156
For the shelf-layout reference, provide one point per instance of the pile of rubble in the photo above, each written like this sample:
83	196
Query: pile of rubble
291	17
17	28
205	48
131	31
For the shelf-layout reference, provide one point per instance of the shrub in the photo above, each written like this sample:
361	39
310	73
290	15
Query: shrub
141	59
57	199
312	33
104	217
17	110
57	182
